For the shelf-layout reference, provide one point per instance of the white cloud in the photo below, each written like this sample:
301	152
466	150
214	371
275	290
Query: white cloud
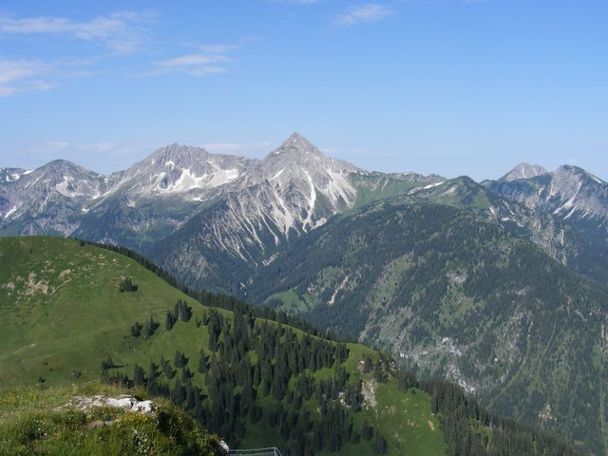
209	59
26	75
218	48
369	12
22	75
121	32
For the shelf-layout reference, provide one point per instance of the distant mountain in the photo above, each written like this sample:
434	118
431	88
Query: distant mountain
523	171
129	207
569	192
154	197
179	169
576	198
198	213
294	190
51	199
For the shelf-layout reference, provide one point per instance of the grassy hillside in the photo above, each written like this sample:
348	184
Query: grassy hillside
61	308
44	421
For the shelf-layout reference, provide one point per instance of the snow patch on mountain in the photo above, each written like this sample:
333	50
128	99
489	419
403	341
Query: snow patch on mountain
425	187
10	212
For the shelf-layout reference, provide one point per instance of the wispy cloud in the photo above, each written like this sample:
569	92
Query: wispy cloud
26	75
297	2
208	59
121	32
369	12
22	75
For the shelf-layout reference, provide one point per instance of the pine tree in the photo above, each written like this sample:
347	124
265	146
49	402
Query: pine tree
127	285
150	327
169	320
179	392
203	363
380	445
180	360
136	329
138	376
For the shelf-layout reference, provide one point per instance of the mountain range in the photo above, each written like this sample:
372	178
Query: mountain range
498	285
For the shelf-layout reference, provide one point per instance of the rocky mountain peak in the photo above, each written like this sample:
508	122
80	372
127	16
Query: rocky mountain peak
178	155
523	171
296	144
63	177
299	152
175	169
61	166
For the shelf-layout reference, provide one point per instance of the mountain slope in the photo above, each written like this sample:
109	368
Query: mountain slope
441	288
336	399
559	239
62	310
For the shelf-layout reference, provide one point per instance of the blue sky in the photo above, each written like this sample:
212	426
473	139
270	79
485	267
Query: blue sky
445	86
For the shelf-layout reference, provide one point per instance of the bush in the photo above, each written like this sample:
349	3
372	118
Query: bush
127	285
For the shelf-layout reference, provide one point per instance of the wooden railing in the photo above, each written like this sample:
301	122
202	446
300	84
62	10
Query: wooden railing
270	451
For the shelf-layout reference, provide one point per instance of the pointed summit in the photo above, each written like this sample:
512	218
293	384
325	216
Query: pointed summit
523	171
296	143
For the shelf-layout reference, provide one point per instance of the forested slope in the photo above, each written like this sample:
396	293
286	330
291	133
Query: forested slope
459	297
